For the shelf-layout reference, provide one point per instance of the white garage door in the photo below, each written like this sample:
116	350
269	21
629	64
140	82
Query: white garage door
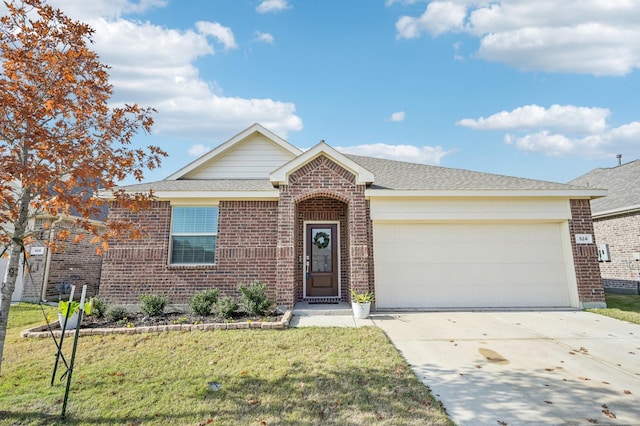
421	265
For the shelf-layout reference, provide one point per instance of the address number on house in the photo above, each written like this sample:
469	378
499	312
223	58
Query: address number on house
584	239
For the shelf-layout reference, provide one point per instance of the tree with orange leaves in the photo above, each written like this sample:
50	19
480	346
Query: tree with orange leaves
60	141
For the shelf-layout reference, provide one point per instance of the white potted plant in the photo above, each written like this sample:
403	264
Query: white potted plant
361	304
73	309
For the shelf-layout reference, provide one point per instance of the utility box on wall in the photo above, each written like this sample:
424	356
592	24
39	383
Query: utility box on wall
603	253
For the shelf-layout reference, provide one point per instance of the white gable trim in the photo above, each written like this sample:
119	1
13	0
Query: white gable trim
281	175
228	145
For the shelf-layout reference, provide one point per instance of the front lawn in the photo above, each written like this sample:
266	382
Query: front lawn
623	307
298	376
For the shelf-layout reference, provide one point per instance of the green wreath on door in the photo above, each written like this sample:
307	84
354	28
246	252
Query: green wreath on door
321	240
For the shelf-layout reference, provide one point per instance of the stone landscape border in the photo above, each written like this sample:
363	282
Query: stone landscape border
42	331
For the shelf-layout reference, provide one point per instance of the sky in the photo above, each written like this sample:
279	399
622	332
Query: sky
543	89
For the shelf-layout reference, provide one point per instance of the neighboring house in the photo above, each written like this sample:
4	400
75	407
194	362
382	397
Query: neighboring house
49	274
314	224
75	263
616	222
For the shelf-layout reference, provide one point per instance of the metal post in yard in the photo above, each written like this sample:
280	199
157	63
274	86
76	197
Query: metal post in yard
73	353
63	327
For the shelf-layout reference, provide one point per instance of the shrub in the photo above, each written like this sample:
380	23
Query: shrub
117	313
226	307
253	298
99	306
202	301
153	304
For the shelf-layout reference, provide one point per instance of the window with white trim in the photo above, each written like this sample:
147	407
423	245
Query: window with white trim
194	231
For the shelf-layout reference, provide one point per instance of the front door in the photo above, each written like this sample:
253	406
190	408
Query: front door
321	260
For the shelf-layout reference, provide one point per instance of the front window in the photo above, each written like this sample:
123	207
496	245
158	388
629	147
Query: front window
193	235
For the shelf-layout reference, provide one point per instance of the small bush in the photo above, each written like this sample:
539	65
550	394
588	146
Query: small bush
153	304
226	307
99	307
117	313
202	301
253	298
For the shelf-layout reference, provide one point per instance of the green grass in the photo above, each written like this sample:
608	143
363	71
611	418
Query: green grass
299	376
623	307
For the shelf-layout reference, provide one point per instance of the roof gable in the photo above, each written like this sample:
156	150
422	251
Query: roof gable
251	154
621	183
281	175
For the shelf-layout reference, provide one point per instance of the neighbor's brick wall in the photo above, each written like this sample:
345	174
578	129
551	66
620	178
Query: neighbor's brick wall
622	233
322	209
75	263
585	256
245	251
321	177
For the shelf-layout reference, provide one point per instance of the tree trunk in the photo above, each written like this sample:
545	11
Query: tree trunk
9	282
8	285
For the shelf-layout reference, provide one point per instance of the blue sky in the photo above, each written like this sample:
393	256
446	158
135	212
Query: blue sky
540	89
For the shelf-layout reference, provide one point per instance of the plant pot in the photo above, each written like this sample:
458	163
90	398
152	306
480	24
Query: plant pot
361	310
72	321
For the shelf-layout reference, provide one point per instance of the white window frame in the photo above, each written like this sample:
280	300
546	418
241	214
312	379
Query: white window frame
191	234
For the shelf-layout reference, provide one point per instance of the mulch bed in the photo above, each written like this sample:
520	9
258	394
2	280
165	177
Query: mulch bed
171	321
140	319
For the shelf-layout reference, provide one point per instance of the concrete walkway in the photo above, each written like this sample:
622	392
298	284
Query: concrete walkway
513	368
339	315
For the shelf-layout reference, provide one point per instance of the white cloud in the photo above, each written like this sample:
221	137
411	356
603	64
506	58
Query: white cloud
414	154
155	66
267	6
389	3
599	37
439	17
223	34
397	116
561	130
564	118
198	150
264	37
84	10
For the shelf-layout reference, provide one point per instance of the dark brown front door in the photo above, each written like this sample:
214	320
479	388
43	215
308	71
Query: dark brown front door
321	260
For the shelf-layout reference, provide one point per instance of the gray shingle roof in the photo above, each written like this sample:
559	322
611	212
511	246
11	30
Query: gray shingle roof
203	185
389	175
399	175
622	182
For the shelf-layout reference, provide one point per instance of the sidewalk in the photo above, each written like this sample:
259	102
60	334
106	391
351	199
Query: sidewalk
322	315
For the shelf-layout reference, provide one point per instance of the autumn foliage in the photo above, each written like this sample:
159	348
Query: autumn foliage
60	140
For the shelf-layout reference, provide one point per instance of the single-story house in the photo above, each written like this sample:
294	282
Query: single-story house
314	224
616	223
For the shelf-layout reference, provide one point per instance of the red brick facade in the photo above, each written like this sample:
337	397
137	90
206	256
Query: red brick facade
322	183
263	240
257	240
585	256
621	274
245	251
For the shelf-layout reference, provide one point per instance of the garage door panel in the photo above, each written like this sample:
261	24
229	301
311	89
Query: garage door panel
469	265
478	252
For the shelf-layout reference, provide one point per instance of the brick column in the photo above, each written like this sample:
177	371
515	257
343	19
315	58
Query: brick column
585	257
359	242
285	264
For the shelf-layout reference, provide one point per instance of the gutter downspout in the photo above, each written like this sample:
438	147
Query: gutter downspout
47	263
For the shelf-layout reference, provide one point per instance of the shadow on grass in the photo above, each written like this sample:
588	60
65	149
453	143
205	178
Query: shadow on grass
339	396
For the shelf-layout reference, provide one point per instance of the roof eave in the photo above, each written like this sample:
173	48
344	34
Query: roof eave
615	212
562	193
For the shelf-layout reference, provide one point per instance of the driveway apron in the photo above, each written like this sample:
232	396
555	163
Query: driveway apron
514	368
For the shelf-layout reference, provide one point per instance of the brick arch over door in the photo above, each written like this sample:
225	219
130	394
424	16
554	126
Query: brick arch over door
322	178
322	209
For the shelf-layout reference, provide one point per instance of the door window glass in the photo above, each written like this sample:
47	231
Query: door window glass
321	242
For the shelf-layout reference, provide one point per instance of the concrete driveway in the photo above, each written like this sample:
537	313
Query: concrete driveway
514	368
